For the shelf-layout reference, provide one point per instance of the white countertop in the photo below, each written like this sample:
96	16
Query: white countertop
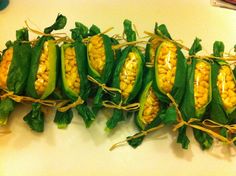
80	151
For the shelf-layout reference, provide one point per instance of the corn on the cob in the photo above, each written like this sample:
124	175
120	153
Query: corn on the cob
226	87
166	66
151	107
201	84
128	74
71	71
43	71
4	67
96	52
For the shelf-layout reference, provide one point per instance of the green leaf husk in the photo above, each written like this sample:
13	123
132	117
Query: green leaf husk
128	31
63	119
86	114
187	107
204	139
57	25
94	30
115	119
22	35
183	138
35	118
136	141
79	32
6	107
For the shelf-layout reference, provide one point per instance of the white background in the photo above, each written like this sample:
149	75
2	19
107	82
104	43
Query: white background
79	151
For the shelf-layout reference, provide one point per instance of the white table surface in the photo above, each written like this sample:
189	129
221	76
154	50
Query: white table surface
80	151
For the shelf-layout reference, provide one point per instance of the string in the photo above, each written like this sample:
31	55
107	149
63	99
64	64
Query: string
129	107
163	38
20	99
105	88
56	35
142	133
118	46
181	123
79	101
213	124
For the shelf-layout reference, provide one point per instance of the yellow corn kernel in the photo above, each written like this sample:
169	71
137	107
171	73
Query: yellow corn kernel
72	74
151	107
155	42
42	76
226	86
201	84
96	53
4	67
128	74
166	68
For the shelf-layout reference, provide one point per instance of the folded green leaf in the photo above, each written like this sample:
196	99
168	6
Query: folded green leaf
35	118
204	139
6	107
94	30
182	137
86	114
128	31
22	35
136	141
196	47
116	117
63	119
79	32
57	25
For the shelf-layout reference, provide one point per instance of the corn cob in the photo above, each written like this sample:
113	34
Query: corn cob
226	87
201	84
166	62
96	52
151	107
71	72
4	67
128	75
43	71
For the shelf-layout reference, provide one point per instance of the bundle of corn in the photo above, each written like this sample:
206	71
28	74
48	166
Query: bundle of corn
127	76
223	103
148	115
74	72
197	97
100	58
43	72
170	68
151	108
14	66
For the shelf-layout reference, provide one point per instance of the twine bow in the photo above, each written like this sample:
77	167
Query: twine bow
105	88
129	107
190	122
72	105
213	124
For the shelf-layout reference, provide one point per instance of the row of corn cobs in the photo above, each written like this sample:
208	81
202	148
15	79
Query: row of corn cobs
160	82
